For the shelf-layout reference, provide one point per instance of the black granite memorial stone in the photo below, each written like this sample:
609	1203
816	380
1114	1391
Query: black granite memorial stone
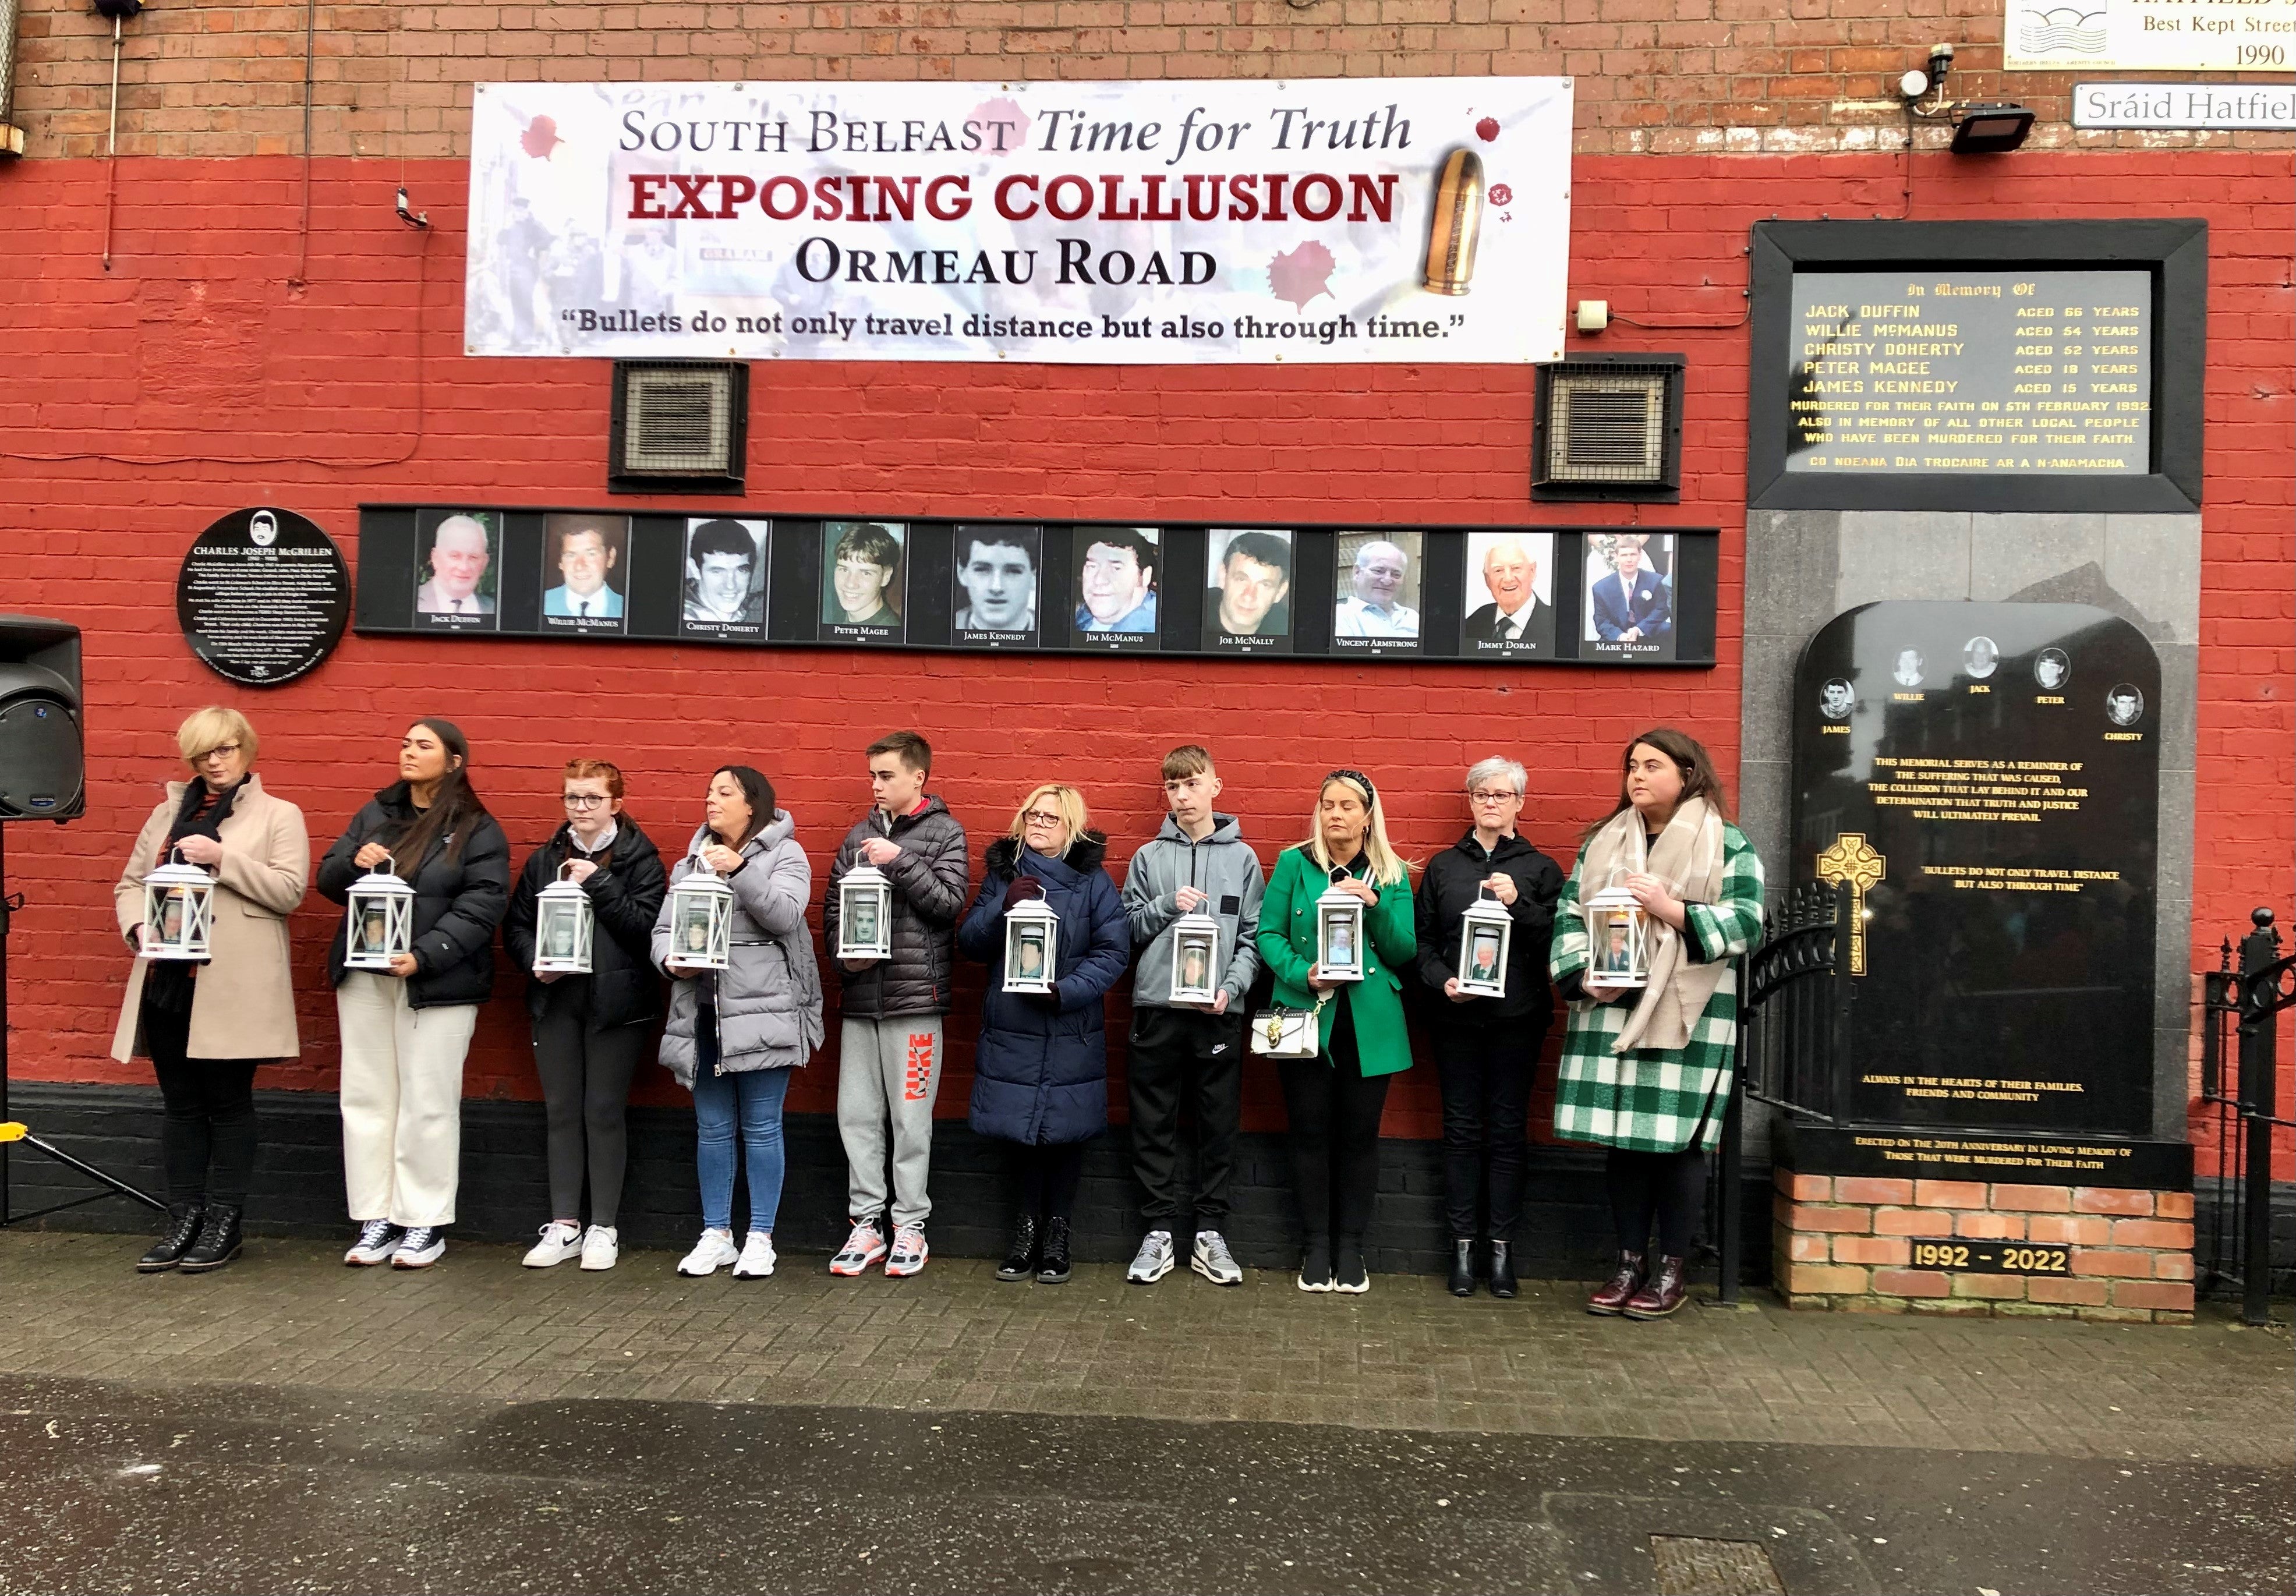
263	597
1985	778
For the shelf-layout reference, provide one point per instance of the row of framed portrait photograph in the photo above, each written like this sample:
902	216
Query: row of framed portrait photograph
1532	595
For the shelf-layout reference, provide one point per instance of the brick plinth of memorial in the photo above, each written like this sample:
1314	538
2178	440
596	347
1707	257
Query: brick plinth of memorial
1873	1245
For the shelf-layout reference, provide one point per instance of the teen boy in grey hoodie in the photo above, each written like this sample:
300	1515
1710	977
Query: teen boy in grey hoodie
1198	861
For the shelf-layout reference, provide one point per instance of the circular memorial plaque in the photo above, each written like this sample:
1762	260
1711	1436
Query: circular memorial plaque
263	597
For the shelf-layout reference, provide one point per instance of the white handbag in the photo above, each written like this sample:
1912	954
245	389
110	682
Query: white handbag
1281	1033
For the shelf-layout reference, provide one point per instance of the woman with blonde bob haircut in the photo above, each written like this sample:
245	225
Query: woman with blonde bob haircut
1040	1077
1335	1100
205	1026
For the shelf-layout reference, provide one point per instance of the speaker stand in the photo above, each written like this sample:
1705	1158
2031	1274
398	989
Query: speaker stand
12	1131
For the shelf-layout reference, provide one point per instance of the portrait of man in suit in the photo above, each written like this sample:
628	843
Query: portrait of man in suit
1509	567
1628	602
454	561
590	556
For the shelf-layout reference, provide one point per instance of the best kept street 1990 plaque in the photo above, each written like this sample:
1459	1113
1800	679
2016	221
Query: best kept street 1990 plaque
1913	371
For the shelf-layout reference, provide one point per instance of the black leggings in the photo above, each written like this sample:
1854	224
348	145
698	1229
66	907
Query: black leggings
586	1093
207	1141
1672	1186
1334	1110
1046	1176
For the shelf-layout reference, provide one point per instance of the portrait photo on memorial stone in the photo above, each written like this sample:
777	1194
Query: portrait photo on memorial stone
1981	657
2052	669
1630	594
995	596
1510	594
1907	671
1376	589
862	589
1837	698
2124	706
585	566
1248	590
457	560
1117	568
726	575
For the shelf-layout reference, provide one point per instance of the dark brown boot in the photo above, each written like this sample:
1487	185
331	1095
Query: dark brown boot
1621	1289
1665	1291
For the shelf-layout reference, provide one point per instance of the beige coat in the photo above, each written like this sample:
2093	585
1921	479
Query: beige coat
243	1001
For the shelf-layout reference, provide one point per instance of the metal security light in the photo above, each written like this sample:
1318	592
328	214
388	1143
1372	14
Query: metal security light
1991	129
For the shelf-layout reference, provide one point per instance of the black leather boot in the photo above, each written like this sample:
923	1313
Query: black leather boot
169	1250
1503	1284
1463	1267
1020	1253
1052	1257
219	1243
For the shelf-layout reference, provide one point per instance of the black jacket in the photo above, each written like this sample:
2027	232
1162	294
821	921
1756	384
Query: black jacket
1452	883
460	897
626	895
928	880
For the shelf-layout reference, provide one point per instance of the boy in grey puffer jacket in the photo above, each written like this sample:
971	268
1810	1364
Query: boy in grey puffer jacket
1197	863
891	1044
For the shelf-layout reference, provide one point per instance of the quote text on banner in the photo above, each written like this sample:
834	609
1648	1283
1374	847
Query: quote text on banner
1153	223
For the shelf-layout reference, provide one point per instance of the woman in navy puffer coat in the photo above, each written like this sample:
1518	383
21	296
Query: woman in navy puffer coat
1040	1079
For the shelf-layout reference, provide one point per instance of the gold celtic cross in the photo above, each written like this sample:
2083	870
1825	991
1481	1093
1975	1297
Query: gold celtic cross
1851	860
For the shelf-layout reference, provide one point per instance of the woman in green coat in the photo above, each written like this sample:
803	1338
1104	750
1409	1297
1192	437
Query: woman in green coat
1334	1098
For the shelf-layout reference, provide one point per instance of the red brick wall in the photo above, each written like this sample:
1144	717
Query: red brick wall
195	378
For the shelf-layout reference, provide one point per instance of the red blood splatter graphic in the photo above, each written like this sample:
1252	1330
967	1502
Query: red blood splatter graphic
1004	126
1488	129
540	138
1300	275
1500	195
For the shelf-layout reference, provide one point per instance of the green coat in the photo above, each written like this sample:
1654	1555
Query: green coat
1287	943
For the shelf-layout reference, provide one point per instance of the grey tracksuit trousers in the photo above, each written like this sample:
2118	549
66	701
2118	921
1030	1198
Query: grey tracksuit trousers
889	1073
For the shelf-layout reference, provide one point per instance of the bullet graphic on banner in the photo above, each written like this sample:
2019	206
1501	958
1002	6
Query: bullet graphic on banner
1458	224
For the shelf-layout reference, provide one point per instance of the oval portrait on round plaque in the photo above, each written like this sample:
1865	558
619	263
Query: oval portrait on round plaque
263	597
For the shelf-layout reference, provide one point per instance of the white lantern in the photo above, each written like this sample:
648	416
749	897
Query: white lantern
1619	930
702	921
179	910
564	928
1032	946
1196	959
865	914
1340	935
1485	934
381	919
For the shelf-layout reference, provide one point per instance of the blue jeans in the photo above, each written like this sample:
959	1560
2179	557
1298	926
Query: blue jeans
751	1098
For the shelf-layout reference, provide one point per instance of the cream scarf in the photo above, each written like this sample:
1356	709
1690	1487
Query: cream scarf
1688	856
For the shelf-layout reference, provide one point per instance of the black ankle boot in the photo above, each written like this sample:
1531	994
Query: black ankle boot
1052	1257
1020	1255
219	1243
1463	1267
1503	1284
169	1250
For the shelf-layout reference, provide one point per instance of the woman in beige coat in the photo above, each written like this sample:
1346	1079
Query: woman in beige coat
205	1026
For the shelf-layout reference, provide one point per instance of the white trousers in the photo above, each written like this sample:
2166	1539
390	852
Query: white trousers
402	1100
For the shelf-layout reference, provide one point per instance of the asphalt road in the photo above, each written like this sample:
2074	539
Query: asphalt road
160	1485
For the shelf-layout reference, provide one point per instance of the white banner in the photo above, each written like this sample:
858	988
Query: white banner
1160	223
2150	35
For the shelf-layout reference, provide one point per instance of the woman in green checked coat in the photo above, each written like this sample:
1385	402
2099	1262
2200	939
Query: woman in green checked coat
1647	1069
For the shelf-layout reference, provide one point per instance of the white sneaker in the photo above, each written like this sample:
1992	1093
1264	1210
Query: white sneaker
862	1248
909	1252
1210	1258
421	1247
559	1241
601	1245
1153	1261
757	1260
713	1252
378	1239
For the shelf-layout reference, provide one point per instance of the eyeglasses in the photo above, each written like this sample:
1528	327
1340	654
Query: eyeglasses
1506	796
1039	817
586	801
227	750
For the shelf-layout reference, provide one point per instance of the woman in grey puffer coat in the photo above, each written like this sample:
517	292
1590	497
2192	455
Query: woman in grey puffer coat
736	1034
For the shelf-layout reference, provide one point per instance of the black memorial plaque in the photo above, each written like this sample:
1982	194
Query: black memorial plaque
1913	373
1985	778
263	597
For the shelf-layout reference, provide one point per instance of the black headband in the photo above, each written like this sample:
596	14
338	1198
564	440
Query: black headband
1359	779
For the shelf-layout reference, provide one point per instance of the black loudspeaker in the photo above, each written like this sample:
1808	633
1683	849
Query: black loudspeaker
42	770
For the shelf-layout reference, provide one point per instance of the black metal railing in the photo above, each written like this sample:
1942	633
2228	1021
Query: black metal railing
2240	1017
1793	1025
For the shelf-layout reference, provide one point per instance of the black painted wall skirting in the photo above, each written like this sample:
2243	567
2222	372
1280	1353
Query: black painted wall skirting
299	1187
